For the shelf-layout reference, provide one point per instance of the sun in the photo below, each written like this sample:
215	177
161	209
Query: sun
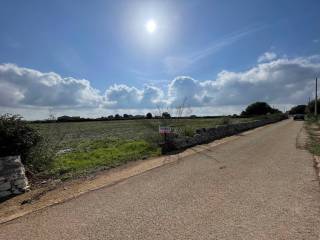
151	26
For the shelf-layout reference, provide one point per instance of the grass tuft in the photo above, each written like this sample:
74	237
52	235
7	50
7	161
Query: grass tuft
102	153
313	129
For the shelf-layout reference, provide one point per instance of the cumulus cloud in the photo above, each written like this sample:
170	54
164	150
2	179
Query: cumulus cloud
28	87
125	97
24	87
281	82
267	56
185	88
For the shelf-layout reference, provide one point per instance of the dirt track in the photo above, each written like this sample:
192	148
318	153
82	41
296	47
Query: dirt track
259	186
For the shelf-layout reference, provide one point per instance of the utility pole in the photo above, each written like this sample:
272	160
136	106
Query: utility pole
308	106
316	100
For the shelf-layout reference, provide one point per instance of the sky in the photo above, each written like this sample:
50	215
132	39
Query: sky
100	57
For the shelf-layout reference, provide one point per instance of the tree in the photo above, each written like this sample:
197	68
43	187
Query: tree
117	116
166	115
149	116
299	109
125	115
259	108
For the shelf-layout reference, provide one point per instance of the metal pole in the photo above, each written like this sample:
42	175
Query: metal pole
308	106
316	100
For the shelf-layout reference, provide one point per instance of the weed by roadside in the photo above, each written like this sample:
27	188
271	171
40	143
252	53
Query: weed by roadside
106	152
313	129
76	148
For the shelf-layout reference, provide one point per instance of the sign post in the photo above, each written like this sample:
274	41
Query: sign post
164	130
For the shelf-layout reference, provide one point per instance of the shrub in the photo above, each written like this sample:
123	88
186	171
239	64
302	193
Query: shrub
259	108
188	131
41	156
166	115
299	109
16	137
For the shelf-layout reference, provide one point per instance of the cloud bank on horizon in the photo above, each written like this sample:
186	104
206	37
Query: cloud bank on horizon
279	81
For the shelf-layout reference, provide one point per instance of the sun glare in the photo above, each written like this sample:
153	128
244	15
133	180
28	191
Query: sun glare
151	26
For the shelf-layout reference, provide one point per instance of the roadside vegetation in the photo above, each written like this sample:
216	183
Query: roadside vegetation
259	109
99	153
16	137
313	129
72	146
312	125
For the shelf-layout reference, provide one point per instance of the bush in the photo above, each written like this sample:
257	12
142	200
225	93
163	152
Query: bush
16	137
41	156
166	115
259	108
299	109
189	131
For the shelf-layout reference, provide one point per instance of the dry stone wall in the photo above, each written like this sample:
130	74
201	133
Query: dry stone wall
206	135
13	180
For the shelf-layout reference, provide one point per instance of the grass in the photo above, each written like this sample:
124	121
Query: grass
73	148
102	153
313	129
72	134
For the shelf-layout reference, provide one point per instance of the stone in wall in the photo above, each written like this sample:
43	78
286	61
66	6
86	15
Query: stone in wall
13	180
204	135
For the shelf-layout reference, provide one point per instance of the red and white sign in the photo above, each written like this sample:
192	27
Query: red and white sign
165	130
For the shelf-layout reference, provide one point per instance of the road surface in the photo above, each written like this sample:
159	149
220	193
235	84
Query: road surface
259	186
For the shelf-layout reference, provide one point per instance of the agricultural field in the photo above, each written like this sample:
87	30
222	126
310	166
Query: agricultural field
71	148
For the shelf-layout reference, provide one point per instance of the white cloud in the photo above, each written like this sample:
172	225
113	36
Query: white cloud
125	97
280	82
28	87
267	57
185	88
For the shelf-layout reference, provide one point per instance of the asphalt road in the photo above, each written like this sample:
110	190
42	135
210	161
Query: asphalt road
259	186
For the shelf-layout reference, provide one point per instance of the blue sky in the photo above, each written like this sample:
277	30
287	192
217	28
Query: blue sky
96	57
